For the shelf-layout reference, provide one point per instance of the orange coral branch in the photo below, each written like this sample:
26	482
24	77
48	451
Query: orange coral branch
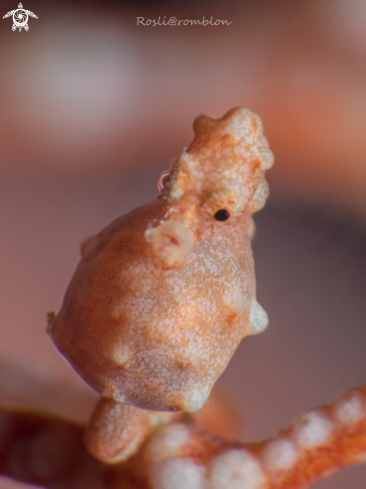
314	446
49	452
46	451
318	443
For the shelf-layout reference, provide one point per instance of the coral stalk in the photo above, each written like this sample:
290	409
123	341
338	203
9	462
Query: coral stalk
46	451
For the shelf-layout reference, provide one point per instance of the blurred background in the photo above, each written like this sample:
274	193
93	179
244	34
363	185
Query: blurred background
93	108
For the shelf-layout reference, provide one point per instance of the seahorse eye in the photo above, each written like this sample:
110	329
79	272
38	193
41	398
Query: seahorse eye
222	215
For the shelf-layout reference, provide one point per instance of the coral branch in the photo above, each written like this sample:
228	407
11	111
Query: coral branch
313	447
46	451
49	452
318	443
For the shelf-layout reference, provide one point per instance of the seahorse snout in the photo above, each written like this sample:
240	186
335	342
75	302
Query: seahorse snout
171	242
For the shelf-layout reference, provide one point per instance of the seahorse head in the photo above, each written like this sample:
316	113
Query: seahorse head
218	181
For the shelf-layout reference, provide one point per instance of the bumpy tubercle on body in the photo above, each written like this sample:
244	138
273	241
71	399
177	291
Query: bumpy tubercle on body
163	295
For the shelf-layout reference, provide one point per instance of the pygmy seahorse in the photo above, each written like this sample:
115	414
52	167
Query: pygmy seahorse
164	294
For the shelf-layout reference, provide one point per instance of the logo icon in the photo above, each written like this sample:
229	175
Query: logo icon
20	18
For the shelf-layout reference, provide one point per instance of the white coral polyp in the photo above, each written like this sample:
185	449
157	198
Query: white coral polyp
312	430
236	469
179	474
349	410
280	455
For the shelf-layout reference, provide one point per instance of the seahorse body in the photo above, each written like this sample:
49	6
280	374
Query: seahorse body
164	294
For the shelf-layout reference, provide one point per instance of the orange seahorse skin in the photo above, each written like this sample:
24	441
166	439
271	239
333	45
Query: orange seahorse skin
164	294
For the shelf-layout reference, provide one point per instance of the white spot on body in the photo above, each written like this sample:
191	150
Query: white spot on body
236	469
120	354
234	297
176	192
280	455
312	430
195	399
258	318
